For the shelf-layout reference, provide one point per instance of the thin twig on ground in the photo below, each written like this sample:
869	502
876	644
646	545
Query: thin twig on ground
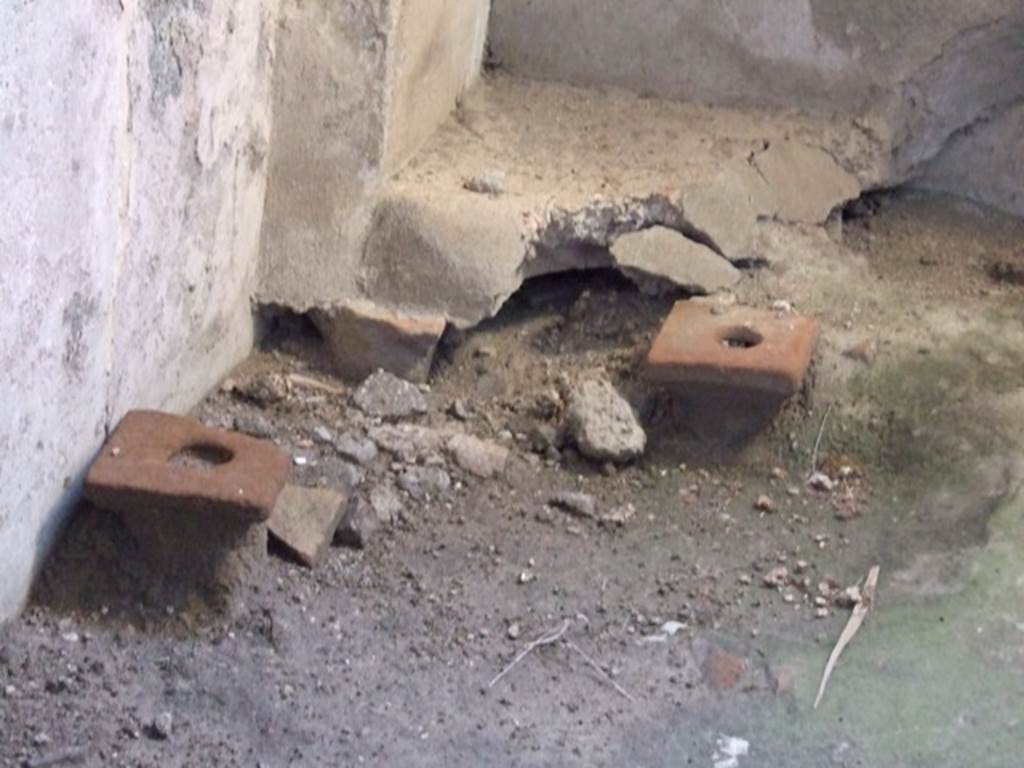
549	638
860	612
557	637
817	441
311	383
597	668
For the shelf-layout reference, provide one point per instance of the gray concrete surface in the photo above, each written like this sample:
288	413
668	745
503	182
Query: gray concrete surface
134	138
358	88
985	163
914	71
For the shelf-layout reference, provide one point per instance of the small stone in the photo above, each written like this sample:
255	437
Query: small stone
619	516
575	503
264	390
764	504
776	577
819	481
788	598
782	306
387	396
821	613
411	443
10	691
162	726
526	577
603	424
323	435
41	739
304	520
386	502
351	446
459	410
478	457
254	424
865	352
779	473
513	631
744	579
423	483
849	597
489	182
360	523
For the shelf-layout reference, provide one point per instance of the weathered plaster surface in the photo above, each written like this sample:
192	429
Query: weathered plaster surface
985	162
913	71
358	88
134	137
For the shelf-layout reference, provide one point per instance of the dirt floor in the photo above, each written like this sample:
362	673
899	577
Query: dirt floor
675	638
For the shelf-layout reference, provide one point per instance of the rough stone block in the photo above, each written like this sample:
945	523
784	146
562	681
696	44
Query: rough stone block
195	499
305	519
740	348
363	337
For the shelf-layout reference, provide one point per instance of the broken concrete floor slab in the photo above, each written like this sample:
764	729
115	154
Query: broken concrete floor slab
659	257
304	521
577	176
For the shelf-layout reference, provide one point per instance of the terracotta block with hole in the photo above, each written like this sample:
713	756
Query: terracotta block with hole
194	499
733	348
156	459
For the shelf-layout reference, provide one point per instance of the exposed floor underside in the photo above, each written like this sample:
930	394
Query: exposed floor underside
527	178
383	657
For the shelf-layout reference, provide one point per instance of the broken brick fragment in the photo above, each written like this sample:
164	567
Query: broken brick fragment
363	337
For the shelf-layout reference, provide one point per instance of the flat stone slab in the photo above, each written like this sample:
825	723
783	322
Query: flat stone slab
732	347
155	460
305	520
659	255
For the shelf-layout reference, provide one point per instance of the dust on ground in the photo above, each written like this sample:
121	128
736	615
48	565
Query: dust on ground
680	617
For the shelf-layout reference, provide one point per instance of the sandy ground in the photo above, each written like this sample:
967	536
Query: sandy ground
384	656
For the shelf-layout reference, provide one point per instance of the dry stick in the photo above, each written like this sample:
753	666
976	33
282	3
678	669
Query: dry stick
597	668
306	381
550	638
817	441
860	612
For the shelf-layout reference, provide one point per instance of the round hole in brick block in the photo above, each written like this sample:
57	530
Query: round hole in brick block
202	456
740	337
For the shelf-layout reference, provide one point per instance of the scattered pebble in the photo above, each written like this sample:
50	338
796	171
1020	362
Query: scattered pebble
162	726
386	396
489	182
765	504
602	423
776	577
819	481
